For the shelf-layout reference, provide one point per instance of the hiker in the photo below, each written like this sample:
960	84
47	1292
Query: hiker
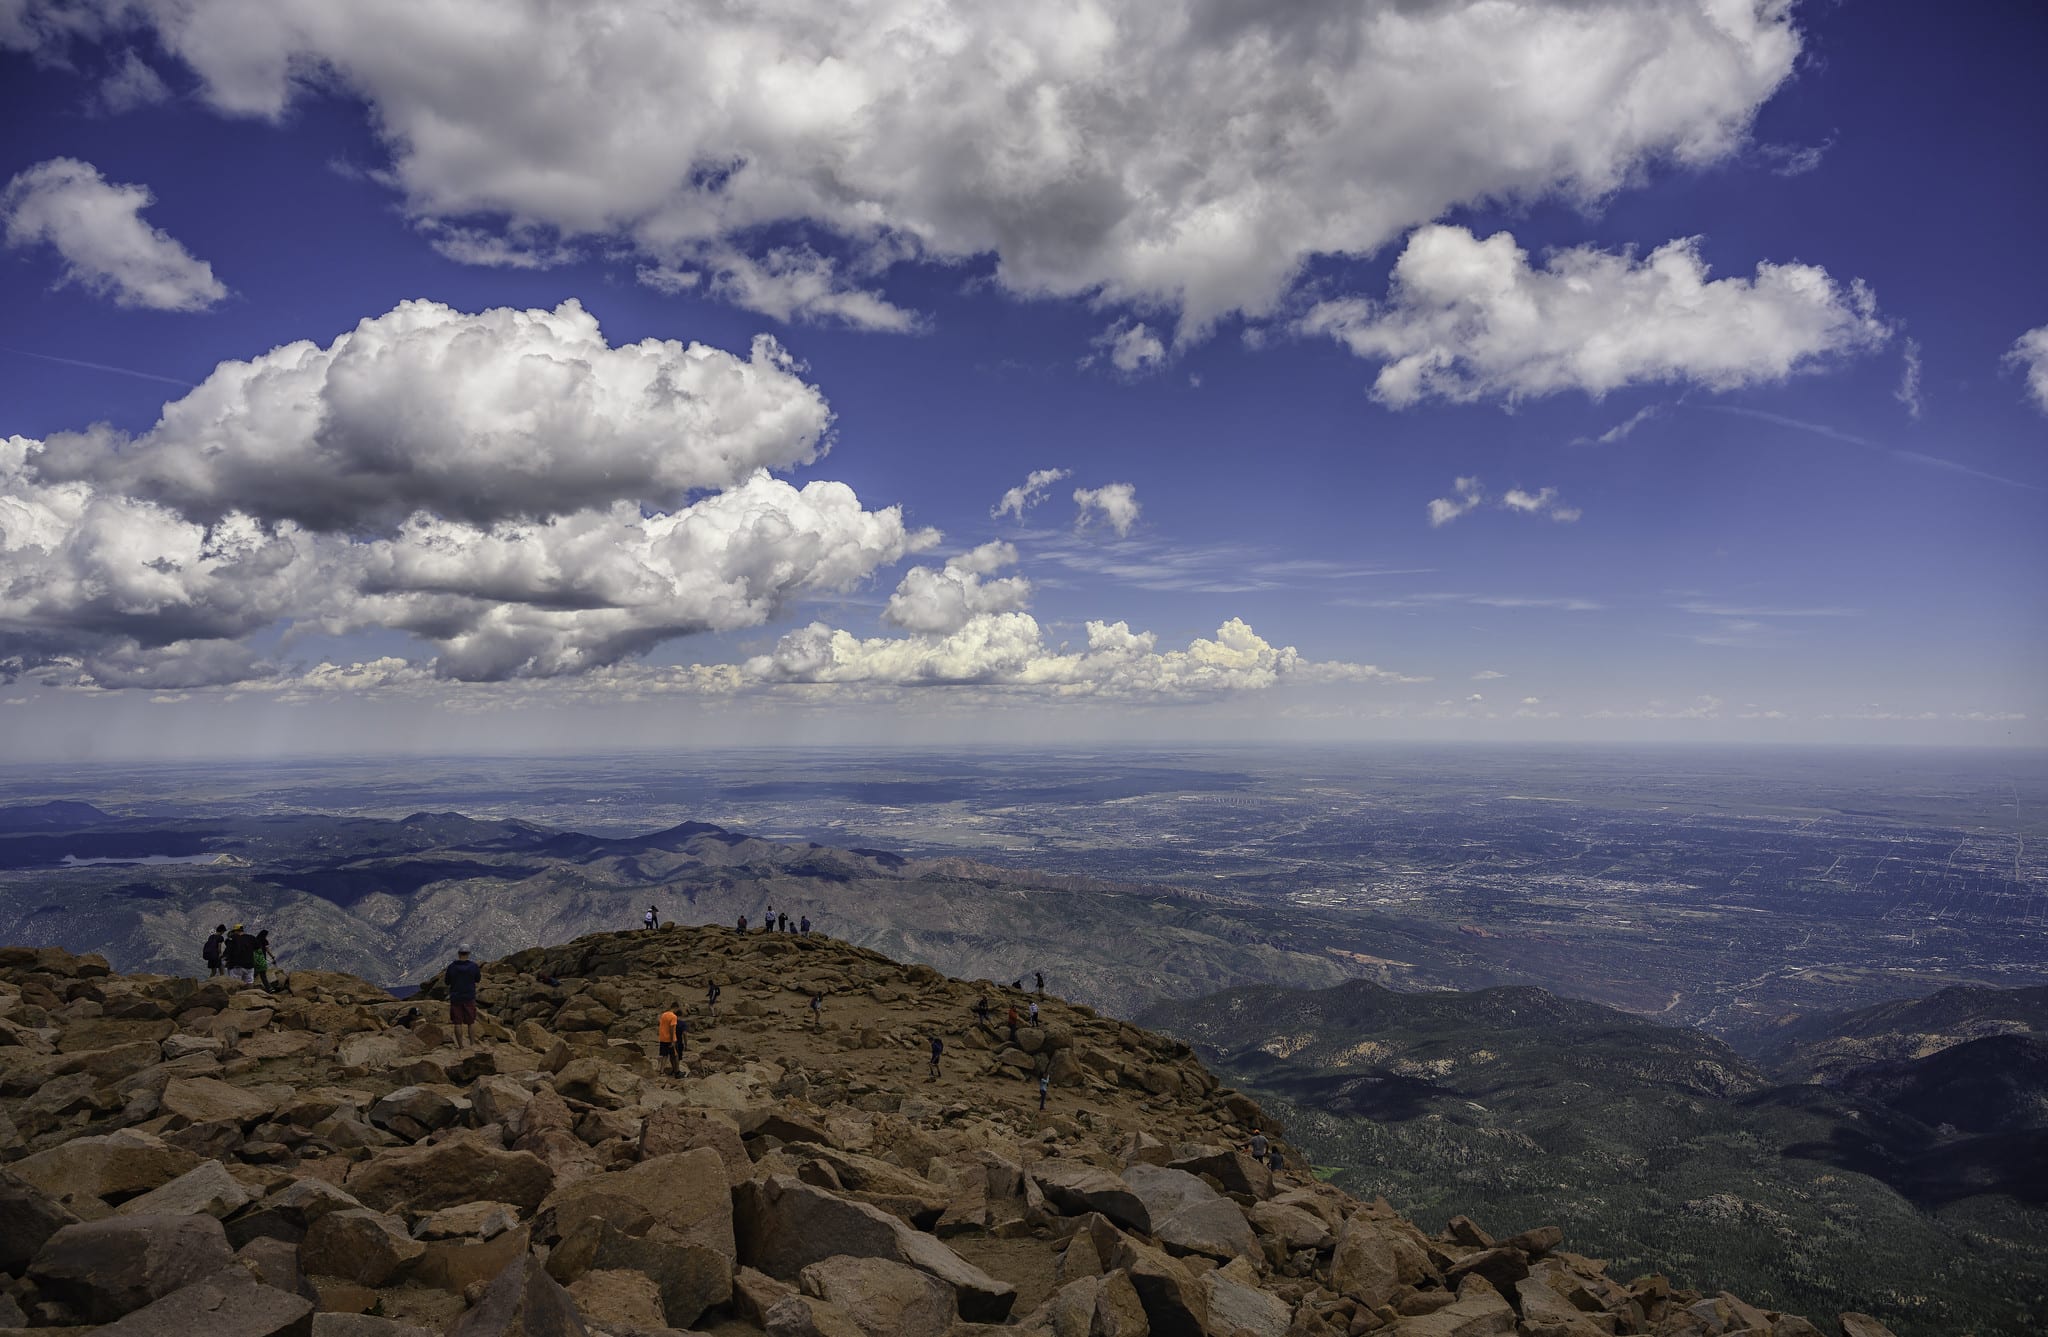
669	1031
652	918
743	923
1044	1082
1013	1023
1276	1162
711	998
1039	975
768	922
260	960
804	926
817	1011
1258	1146
239	953
938	1048
409	1017
782	923
981	1010
1034	1012
462	976
210	953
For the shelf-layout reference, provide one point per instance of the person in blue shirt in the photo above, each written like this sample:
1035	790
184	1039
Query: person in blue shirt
462	976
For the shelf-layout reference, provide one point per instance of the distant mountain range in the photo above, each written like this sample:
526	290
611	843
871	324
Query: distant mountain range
391	900
1659	1146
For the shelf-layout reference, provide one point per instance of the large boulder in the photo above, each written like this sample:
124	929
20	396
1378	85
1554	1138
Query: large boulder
1188	1216
1076	1187
684	1197
210	1100
522	1301
229	1303
104	1269
112	1168
28	1217
885	1299
688	1278
1481	1312
359	1245
447	1174
677	1128
1293	1227
616	1298
1237	1172
1373	1261
1175	1303
1235	1307
207	1188
1097	1306
785	1225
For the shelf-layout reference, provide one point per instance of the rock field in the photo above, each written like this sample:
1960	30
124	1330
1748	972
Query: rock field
194	1157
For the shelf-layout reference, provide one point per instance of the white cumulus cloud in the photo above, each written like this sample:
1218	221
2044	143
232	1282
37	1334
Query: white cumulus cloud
98	229
1130	346
497	415
942	600
1468	495
1469	318
1185	154
2030	355
1116	504
1465	496
504	487
1027	494
1008	651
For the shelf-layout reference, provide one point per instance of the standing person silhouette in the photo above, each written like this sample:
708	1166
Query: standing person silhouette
804	926
938	1048
817	1011
652	919
462	975
1039	975
1043	1084
211	952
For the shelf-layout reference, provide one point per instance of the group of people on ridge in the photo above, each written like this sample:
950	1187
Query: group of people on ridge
772	922
241	955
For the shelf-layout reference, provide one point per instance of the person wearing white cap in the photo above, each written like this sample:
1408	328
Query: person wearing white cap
462	976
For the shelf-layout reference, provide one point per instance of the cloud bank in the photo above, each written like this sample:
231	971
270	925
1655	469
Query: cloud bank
506	486
1187	156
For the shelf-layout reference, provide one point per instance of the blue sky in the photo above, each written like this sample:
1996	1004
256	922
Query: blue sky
1263	288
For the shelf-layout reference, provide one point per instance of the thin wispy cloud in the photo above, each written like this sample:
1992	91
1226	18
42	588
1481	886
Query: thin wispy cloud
1852	439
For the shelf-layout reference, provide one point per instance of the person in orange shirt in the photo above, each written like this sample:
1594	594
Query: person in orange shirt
670	1031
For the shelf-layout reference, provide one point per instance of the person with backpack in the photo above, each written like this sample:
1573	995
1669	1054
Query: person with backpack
463	975
652	919
938	1048
210	953
239	953
1258	1146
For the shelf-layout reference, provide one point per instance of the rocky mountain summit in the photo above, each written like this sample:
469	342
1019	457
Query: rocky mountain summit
193	1157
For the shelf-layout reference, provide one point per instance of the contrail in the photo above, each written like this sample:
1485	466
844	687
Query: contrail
1850	438
98	366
